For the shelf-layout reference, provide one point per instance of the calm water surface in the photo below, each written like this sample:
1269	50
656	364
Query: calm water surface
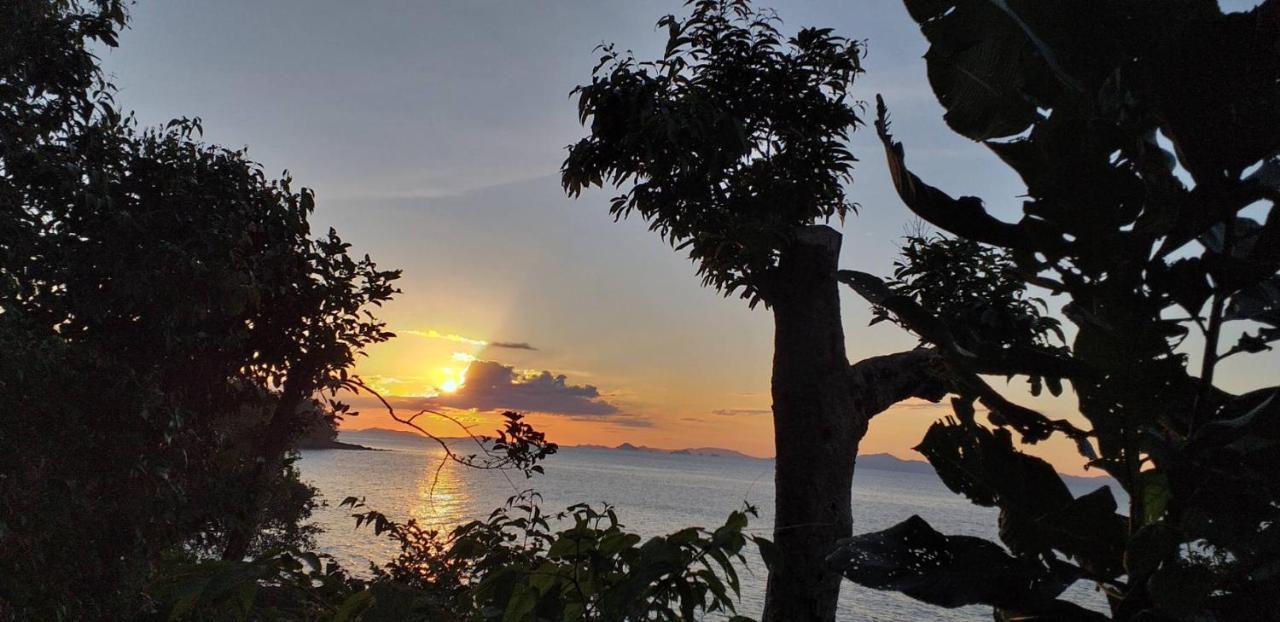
653	494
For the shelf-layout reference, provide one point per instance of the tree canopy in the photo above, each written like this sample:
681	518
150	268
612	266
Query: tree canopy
168	322
728	143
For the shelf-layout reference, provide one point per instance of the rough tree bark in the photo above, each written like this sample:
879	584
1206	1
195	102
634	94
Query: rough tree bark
821	407
815	438
879	382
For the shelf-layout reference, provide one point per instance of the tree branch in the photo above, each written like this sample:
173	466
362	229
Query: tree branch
882	381
948	367
521	458
1006	361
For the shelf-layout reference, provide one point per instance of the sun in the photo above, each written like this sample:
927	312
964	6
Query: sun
453	378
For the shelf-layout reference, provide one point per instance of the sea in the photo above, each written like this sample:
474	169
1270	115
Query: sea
653	493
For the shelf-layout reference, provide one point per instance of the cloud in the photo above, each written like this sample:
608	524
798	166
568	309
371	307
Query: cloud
624	420
435	334
511	345
490	385
741	412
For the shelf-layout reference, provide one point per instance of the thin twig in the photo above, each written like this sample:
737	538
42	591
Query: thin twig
494	462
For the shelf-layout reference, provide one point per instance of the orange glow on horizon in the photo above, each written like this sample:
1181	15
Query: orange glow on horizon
683	415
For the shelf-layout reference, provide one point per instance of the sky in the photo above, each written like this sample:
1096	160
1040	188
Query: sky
432	133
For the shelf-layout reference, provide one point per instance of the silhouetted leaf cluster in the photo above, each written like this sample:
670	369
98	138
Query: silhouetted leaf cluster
1147	245
168	323
728	142
520	565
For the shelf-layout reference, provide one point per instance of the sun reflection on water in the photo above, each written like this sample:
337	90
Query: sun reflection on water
442	499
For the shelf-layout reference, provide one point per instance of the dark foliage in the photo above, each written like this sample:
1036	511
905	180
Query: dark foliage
980	299
728	143
518	565
1146	246
977	292
166	320
953	571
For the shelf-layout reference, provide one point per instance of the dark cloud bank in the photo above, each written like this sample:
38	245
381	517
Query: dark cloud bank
512	345
493	386
741	412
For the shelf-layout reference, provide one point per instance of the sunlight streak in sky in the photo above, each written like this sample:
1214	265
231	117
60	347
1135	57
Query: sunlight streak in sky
434	334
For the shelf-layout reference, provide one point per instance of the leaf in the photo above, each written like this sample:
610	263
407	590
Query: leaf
1155	495
1090	531
964	216
1244	233
1181	587
768	551
1054	384
544	577
1085	448
522	603
1187	283
312	560
975	61
352	606
1254	405
947	571
391	602
244	600
1260	303
1150	546
615	543
1254	344
983	465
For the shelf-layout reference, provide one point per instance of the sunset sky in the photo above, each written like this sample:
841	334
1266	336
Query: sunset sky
433	132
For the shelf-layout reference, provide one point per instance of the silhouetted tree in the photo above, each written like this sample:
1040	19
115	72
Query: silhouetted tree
1147	246
168	324
731	146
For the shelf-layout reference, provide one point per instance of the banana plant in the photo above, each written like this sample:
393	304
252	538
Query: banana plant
1148	139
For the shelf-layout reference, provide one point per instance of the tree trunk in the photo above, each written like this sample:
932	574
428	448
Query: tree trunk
816	430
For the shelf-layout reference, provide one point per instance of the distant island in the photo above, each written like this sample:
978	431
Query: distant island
326	437
713	452
400	435
331	444
876	462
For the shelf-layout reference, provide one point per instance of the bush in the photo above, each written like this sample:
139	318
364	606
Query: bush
517	565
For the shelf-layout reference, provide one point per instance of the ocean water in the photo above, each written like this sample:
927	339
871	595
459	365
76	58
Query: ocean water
653	493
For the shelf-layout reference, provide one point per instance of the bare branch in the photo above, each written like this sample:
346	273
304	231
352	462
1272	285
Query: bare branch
491	459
